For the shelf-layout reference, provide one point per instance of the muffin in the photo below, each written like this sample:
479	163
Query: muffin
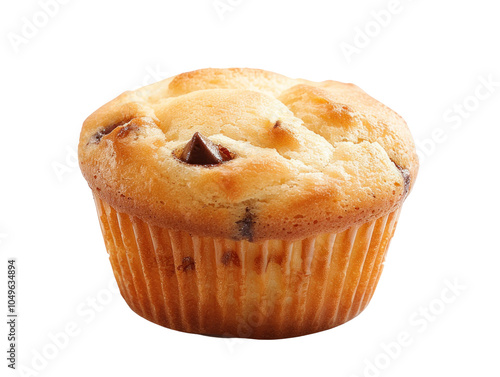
243	203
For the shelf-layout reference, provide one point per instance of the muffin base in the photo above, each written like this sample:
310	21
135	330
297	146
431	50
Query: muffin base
265	290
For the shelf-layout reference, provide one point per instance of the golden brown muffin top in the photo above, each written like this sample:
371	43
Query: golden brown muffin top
305	157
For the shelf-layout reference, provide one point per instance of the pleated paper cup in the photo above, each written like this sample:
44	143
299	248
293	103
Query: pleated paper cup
222	287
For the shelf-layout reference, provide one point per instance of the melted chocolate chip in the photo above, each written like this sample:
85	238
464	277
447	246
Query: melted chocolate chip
406	178
126	130
96	138
246	225
187	264
230	257
201	151
226	155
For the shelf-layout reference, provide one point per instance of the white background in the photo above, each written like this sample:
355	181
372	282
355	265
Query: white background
424	60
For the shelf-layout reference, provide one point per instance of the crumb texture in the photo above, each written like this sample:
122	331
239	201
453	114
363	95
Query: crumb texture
309	157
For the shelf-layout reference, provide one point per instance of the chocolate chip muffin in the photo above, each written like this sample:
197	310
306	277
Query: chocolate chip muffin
240	202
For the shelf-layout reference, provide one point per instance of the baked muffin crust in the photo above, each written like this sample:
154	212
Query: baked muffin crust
309	157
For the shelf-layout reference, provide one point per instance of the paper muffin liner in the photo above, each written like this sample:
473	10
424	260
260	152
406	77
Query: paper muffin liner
223	287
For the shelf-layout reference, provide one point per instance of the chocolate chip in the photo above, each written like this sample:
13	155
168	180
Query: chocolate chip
201	151
406	178
96	138
230	257
246	225
258	263
187	264
226	155
125	130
